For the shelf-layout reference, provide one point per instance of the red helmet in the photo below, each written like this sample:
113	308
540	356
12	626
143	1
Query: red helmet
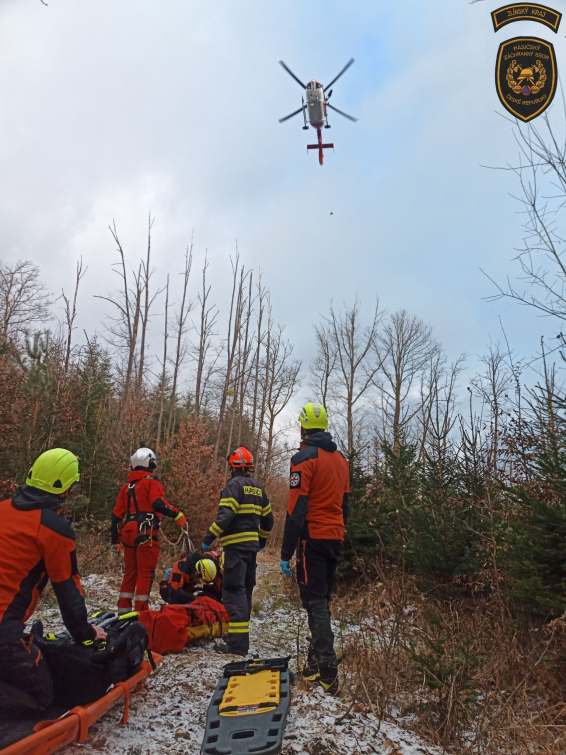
241	458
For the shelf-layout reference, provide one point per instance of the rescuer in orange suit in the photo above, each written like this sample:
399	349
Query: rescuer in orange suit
37	544
135	525
319	506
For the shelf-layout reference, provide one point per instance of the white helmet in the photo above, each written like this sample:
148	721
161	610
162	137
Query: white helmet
144	457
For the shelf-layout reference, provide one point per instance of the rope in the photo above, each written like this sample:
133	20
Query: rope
187	545
331	202
173	542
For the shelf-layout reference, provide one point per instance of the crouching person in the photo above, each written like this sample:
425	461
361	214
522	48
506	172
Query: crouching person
195	574
243	525
37	544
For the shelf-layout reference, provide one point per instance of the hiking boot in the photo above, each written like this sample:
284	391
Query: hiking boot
309	673
37	628
328	678
222	646
310	669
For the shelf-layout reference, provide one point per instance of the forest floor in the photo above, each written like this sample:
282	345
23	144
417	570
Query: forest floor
168	712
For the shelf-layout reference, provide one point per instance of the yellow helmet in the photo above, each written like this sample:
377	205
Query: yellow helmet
207	570
54	471
313	417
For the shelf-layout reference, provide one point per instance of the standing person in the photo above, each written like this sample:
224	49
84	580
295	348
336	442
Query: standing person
243	525
37	544
135	525
319	505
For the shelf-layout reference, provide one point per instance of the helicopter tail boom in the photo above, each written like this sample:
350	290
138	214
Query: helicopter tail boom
320	147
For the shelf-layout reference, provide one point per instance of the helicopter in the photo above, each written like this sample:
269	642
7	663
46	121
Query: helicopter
316	107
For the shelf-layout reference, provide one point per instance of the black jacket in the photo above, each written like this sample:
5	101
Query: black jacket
244	515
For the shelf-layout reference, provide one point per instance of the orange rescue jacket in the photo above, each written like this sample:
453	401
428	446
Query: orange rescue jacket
319	496
37	545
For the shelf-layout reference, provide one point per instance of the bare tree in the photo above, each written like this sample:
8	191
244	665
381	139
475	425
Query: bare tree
71	314
430	379
264	378
405	348
347	364
241	371
182	317
244	370
205	332
231	344
491	387
122	330
541	172
282	382
324	362
24	300
440	400
262	295
143	284
163	371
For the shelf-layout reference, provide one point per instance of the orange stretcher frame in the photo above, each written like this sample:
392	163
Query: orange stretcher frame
50	736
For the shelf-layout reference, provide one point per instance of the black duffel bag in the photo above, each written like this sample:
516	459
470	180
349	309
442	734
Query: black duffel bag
83	673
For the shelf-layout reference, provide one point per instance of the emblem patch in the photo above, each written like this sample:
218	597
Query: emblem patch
295	479
526	12
526	76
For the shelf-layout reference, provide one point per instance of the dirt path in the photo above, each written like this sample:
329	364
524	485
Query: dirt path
169	712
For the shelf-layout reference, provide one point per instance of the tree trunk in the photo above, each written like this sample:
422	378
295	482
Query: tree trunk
163	372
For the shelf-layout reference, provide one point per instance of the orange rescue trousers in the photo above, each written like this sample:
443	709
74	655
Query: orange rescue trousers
140	562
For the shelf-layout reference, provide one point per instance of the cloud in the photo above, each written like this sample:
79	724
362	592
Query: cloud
115	109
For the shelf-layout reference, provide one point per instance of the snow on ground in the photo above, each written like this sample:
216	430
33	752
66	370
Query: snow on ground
168	713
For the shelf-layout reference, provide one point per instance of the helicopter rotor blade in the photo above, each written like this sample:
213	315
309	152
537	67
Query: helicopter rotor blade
348	64
282	120
349	117
292	74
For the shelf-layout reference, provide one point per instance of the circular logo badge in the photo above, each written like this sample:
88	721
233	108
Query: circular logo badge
295	480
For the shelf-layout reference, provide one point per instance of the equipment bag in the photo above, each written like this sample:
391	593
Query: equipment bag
170	628
209	618
84	673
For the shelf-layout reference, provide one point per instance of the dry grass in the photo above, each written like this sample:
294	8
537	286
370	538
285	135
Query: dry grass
463	674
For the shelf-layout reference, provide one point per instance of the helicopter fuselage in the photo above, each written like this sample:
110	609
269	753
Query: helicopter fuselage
316	104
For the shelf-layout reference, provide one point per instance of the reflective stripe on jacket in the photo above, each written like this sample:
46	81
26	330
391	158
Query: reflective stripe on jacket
244	515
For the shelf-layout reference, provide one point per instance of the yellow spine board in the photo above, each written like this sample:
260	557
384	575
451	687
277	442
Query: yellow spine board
252	693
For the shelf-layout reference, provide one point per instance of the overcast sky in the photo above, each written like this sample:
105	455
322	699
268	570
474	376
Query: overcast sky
111	109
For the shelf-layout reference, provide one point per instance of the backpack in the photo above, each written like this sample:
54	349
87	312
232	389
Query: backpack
173	626
84	673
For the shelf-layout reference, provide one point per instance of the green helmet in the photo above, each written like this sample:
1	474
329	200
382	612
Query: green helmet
313	417
54	471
